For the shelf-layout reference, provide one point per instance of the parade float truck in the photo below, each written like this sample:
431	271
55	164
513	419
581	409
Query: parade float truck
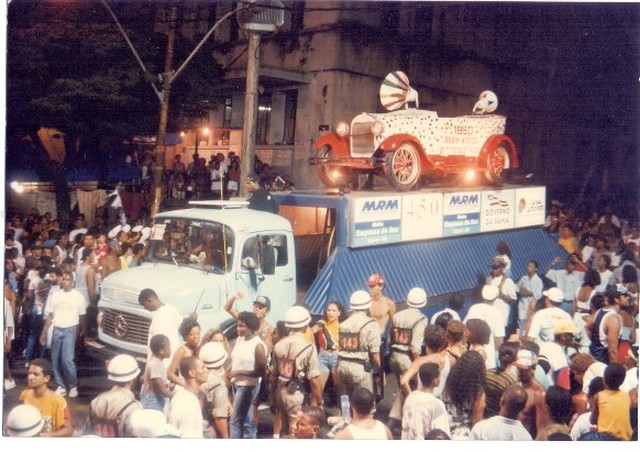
196	259
407	145
322	246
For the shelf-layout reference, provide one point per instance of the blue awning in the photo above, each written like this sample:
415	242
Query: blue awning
441	267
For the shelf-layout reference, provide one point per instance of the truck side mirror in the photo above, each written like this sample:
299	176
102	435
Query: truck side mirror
248	263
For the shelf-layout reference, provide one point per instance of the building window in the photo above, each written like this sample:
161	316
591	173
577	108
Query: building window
264	116
290	108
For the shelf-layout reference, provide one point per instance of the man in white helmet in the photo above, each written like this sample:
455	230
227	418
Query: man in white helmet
407	331
24	421
216	394
110	411
359	356
294	377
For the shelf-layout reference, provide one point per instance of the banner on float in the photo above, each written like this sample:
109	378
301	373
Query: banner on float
375	220
421	216
498	210
461	213
530	206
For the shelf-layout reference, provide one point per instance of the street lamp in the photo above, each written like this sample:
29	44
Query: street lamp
262	16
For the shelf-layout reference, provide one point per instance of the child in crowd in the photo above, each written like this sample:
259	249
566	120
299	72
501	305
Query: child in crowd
156	388
611	406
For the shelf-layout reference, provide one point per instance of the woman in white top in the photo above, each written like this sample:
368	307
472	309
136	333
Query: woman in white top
248	365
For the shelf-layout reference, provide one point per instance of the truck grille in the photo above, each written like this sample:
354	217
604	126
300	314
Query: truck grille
125	326
362	139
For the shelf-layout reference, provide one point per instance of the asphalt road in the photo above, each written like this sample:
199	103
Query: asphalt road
92	376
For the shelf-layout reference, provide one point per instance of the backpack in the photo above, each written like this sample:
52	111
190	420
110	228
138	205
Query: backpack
403	336
108	428
350	342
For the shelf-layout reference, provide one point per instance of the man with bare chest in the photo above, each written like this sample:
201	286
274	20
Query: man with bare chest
532	416
382	310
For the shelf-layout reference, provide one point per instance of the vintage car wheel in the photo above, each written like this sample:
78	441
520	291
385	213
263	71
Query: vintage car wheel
402	167
497	161
332	176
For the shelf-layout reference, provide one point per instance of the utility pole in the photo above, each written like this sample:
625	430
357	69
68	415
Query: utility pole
263	16
168	77
250	110
161	142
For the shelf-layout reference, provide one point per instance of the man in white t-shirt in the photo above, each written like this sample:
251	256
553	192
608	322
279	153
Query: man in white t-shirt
65	311
494	318
508	291
166	320
505	426
558	352
184	411
422	411
545	320
530	287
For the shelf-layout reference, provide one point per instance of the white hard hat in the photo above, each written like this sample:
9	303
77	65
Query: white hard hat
148	423
145	233
360	300
490	292
123	368
213	354
24	421
417	298
554	294
113	233
296	317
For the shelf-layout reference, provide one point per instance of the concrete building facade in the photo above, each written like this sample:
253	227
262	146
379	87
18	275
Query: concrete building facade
544	61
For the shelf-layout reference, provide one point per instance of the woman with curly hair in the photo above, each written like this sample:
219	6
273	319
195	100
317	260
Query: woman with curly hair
464	395
189	331
479	335
326	339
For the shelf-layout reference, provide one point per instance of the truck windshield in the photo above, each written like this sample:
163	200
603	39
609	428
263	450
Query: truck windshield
192	242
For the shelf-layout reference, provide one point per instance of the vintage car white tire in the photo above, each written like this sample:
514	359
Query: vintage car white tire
498	159
328	172
402	167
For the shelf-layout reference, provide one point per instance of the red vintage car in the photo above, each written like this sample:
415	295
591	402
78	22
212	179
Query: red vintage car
409	143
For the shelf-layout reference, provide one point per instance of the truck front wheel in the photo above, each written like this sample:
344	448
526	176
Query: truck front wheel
402	167
333	176
497	161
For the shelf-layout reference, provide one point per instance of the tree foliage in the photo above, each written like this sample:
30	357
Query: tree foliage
69	67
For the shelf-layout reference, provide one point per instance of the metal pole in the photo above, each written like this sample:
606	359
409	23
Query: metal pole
195	151
161	142
250	110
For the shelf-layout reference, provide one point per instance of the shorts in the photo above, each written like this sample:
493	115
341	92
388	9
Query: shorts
328	361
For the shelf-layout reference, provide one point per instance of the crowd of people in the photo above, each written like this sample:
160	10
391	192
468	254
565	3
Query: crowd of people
217	178
551	355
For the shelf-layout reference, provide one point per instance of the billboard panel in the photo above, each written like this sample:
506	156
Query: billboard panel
530	206
461	213
498	210
421	216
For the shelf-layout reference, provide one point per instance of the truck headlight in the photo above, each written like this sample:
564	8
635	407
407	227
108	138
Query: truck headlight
99	319
377	128
342	128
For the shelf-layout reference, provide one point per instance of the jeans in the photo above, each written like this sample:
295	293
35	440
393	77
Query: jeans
153	401
62	357
567	306
241	423
34	350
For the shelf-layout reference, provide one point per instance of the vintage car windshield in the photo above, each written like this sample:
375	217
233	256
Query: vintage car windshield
195	243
